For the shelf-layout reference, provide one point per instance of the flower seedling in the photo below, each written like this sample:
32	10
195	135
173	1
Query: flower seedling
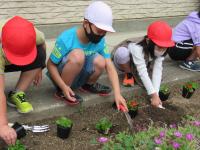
164	92
64	122
132	107
64	126
103	125
189	88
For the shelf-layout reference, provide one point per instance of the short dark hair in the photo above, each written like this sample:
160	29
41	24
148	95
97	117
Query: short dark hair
199	14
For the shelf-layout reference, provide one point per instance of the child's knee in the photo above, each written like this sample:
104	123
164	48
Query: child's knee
77	56
99	62
122	55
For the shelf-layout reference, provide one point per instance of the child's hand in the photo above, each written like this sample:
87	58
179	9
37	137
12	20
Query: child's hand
155	100
120	101
69	93
38	78
8	134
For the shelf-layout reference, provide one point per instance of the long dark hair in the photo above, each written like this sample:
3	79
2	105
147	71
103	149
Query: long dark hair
149	47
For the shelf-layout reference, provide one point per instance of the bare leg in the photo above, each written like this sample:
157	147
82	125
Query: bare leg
75	62
99	66
26	79
194	54
125	67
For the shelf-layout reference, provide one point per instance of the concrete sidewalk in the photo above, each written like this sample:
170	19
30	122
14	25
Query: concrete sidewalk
46	106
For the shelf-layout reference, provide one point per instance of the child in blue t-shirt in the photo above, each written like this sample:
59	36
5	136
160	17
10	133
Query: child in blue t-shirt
80	56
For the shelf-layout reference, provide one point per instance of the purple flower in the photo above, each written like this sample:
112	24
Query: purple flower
175	145
178	134
196	123
103	139
162	134
189	137
158	141
172	125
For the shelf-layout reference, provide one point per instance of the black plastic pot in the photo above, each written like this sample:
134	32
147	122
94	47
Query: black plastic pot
186	93
163	96
62	132
133	113
21	132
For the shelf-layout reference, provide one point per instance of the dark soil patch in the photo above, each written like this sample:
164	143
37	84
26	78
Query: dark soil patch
84	133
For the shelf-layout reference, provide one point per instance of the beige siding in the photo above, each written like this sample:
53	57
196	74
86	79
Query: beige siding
62	11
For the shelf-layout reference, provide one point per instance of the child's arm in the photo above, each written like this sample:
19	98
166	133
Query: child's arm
67	91
6	133
113	76
139	61
157	73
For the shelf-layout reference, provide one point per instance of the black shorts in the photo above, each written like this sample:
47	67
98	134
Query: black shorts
181	50
39	62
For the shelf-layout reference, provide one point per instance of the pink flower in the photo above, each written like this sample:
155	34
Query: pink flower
172	125
178	134
175	145
162	134
196	123
189	137
103	139
158	141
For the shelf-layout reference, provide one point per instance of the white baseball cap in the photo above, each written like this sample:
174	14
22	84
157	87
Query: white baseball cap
100	14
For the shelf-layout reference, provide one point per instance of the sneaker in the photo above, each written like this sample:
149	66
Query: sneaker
190	65
59	95
128	80
17	99
96	88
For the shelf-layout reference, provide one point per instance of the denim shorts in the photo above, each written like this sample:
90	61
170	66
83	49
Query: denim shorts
83	76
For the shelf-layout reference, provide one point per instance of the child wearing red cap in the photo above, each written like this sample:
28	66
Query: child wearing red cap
135	56
80	56
22	49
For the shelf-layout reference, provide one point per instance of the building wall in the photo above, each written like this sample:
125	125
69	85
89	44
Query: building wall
50	12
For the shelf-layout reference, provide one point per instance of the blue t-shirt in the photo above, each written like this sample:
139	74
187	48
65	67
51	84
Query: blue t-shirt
68	41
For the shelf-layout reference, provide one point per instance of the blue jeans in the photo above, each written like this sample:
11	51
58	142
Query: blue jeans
83	76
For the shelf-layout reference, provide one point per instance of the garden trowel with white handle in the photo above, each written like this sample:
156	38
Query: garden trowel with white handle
34	128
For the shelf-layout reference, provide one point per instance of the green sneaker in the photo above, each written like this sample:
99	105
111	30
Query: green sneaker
18	100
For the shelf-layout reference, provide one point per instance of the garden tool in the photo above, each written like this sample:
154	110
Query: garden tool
160	106
34	128
128	117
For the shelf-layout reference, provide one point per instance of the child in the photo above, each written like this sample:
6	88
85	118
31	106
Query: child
187	38
22	49
136	56
80	56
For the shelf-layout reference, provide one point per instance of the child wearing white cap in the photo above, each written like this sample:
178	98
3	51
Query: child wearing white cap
80	55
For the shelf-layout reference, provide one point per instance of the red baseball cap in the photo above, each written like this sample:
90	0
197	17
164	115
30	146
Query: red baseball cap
160	33
19	41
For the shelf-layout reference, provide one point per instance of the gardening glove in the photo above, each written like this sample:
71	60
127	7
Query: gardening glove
8	134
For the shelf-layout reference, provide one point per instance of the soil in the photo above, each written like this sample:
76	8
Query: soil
84	134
